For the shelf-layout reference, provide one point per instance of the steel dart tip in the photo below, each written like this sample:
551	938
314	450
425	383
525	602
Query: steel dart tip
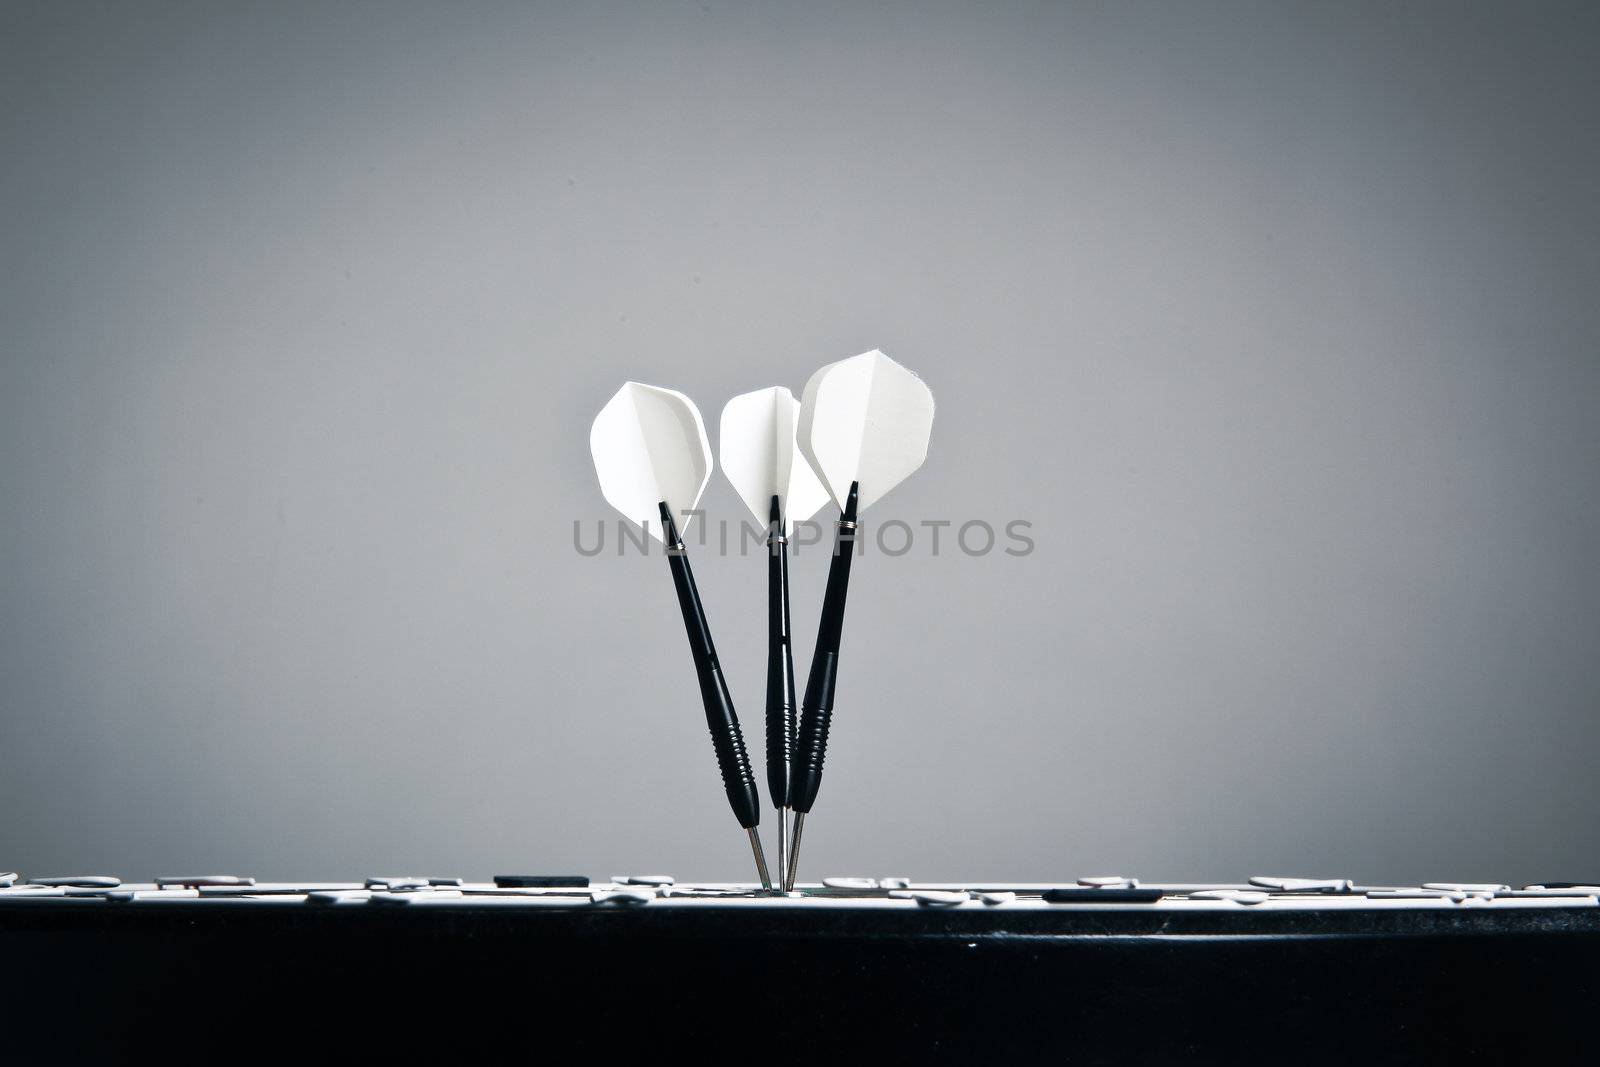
783	850
761	859
794	850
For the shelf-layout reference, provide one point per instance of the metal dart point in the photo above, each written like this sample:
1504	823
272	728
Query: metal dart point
761	858
794	850
783	850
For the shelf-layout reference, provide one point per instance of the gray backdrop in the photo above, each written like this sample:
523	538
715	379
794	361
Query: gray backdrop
1278	322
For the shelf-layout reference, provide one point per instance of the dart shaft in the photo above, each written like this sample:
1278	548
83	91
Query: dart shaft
816	710
721	719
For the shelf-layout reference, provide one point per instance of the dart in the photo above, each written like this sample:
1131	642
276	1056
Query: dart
864	427
653	460
757	444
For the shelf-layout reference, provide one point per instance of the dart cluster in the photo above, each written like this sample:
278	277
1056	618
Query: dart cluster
860	427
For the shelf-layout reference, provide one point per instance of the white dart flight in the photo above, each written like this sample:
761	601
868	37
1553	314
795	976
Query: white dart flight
759	456
653	460
650	447
864	420
864	426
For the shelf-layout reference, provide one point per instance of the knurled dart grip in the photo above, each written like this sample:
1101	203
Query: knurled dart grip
728	741
812	747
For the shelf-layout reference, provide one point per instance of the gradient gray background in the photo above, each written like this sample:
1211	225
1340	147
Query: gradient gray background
1280	322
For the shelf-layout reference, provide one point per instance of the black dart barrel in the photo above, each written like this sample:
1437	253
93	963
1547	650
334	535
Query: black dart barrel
816	710
780	662
721	719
